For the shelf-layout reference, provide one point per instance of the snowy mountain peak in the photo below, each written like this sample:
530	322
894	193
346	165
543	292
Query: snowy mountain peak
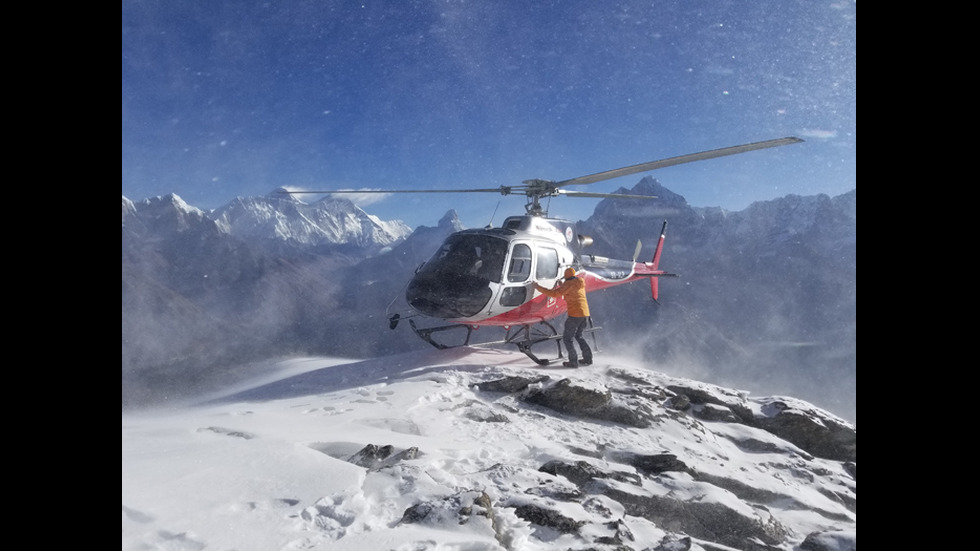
279	217
649	185
450	221
282	194
666	204
175	201
128	208
165	214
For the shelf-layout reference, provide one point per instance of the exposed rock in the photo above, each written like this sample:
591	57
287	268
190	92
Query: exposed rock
712	412
655	464
830	541
706	520
802	428
821	436
457	509
682	544
709	394
812	430
565	397
484	415
510	384
581	472
549	518
679	402
375	457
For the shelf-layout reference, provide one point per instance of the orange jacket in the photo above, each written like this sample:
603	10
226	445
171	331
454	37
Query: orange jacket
573	291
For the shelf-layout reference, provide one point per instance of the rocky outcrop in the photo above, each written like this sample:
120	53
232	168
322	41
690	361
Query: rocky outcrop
792	420
659	487
375	457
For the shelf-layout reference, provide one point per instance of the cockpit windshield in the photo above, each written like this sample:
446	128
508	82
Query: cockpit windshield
470	254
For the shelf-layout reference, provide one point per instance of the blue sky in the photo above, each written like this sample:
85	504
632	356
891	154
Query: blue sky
229	98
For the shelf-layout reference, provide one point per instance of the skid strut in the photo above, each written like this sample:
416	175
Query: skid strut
426	334
526	336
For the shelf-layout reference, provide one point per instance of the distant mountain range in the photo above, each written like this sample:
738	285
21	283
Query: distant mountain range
766	298
285	223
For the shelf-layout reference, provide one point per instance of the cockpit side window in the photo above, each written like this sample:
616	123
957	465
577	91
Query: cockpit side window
520	263
547	267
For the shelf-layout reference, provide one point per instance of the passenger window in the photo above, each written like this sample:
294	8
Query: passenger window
520	263
513	296
547	267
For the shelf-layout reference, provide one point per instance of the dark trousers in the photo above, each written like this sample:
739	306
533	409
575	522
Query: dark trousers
573	330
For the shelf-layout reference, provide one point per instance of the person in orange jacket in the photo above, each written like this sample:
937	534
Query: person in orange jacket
573	291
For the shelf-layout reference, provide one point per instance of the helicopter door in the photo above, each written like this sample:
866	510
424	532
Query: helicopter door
518	272
547	266
544	261
520	264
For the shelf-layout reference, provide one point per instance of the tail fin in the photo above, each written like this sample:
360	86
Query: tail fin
654	281
660	246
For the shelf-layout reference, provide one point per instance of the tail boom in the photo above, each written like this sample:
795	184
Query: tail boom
604	272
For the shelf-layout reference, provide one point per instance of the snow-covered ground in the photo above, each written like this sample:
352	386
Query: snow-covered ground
280	463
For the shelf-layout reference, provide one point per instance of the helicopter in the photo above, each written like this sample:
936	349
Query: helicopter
484	276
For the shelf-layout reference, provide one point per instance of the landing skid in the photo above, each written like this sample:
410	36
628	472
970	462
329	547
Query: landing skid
523	337
426	334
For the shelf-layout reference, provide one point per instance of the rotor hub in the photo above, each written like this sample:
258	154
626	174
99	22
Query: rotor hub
535	189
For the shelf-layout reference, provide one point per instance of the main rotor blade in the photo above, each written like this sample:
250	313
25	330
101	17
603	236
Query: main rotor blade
502	190
544	188
603	195
690	158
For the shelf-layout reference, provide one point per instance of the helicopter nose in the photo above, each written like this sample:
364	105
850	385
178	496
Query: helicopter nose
448	296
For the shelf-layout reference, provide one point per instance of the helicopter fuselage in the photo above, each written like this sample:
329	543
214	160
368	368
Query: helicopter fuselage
484	277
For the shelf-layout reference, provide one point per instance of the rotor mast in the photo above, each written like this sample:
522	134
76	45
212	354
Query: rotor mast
535	189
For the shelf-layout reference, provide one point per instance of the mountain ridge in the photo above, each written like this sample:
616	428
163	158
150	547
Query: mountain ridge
330	298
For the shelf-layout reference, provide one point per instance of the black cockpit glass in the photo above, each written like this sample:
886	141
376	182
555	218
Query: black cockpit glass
455	282
477	255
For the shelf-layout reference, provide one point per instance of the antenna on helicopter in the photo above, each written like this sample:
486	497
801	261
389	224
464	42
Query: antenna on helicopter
490	223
